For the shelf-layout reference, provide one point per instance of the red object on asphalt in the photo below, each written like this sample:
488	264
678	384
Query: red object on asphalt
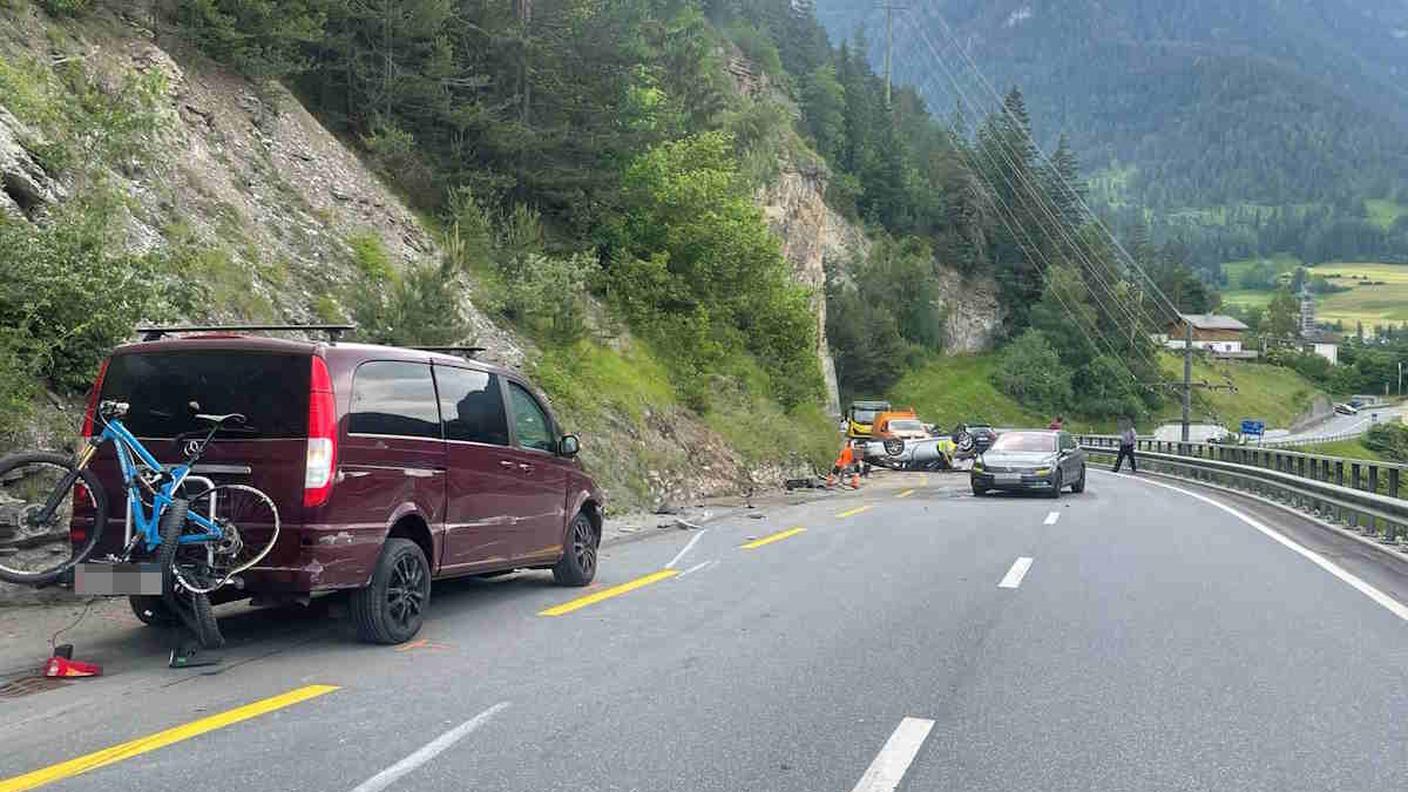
64	667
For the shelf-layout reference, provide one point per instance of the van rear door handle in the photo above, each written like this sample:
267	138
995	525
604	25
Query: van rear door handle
505	464
525	467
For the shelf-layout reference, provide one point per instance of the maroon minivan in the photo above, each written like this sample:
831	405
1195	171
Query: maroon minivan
389	466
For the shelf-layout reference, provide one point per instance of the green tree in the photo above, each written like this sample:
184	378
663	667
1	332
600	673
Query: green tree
1031	372
697	264
1282	318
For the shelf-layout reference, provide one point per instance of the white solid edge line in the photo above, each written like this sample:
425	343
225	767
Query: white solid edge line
1014	576
893	761
674	561
1052	518
1389	603
431	749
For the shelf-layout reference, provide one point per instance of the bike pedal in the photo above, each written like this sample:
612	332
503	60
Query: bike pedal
192	659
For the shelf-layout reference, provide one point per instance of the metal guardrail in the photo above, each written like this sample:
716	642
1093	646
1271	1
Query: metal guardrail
1362	494
1309	441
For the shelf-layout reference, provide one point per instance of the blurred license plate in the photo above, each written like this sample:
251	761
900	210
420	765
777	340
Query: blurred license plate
1008	478
113	580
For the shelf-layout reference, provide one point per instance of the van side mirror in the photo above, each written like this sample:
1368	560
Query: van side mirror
569	445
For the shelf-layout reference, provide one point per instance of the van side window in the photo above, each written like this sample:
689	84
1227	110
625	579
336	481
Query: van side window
472	405
530	423
394	398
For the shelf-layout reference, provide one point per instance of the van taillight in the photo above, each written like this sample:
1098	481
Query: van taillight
91	412
322	436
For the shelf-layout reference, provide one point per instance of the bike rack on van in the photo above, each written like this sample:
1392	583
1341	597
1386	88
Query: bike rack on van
334	331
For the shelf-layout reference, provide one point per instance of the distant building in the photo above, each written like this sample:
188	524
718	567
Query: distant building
1312	338
1322	343
1212	332
1307	313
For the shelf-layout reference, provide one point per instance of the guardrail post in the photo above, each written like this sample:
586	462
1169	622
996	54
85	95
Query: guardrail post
1339	480
1357	483
1375	522
1391	531
1300	466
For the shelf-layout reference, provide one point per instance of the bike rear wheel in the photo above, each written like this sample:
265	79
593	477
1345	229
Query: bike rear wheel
249	524
41	494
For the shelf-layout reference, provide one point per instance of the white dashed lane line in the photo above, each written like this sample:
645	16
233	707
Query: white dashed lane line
1014	576
889	767
429	751
1052	518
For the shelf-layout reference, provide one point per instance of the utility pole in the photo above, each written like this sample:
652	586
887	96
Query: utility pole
890	9
1187	374
1400	378
523	10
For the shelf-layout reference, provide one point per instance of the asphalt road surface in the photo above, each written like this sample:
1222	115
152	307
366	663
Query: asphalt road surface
1339	425
909	636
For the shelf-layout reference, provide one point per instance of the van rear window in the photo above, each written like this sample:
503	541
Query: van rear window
269	389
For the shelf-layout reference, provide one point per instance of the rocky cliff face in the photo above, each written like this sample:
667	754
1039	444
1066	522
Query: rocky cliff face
817	239
244	173
972	312
814	238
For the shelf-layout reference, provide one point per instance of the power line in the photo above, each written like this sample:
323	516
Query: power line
1042	199
998	145
1173	309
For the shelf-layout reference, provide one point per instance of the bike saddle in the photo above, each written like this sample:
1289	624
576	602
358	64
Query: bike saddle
221	420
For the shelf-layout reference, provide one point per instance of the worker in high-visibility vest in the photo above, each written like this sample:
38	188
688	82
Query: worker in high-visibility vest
847	465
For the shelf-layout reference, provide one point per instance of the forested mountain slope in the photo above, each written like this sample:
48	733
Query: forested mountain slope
672	212
1249	127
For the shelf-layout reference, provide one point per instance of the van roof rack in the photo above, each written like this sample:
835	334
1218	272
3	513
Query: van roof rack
334	331
465	351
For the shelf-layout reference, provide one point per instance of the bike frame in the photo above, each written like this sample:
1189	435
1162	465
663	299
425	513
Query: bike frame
147	523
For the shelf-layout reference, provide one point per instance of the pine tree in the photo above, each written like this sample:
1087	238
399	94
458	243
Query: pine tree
1064	185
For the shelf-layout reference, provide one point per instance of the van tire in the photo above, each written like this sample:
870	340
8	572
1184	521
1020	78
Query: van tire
577	567
152	611
402	568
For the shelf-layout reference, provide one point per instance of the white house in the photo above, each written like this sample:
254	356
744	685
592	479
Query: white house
1212	332
1326	345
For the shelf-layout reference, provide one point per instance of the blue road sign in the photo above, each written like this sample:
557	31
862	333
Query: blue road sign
1252	428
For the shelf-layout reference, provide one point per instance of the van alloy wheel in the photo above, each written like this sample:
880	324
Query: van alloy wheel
391	607
577	567
405	591
584	545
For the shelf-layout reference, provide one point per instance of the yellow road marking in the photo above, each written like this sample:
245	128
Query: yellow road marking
905	494
769	539
854	512
161	739
606	594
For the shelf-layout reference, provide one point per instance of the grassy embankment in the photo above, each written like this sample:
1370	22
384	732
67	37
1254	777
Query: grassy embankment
621	399
1267	393
1378	293
952	389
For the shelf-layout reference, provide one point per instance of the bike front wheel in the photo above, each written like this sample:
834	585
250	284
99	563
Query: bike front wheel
51	516
248	523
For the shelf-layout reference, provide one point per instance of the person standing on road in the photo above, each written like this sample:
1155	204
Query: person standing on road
1127	438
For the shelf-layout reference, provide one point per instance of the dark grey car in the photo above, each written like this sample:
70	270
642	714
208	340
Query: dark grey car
1031	461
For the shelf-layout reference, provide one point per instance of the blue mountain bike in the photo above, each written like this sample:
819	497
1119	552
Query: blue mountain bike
192	534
